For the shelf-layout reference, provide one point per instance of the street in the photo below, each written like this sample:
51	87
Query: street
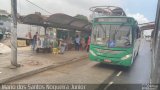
136	77
88	72
79	45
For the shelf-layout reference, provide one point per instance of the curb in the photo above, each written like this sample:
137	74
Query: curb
9	79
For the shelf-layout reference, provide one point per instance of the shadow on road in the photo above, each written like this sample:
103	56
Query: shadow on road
113	67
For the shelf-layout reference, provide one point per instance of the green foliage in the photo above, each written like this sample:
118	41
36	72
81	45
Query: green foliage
81	17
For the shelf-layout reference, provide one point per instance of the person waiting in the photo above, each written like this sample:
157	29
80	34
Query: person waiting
83	44
77	43
62	46
34	41
88	43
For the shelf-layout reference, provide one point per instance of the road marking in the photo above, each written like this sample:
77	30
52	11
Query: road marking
110	83
0	72
118	74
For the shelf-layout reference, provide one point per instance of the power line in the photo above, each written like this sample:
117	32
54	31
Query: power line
38	7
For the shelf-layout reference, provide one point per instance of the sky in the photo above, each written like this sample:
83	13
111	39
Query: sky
142	10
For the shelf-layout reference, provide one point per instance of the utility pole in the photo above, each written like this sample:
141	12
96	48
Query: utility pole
14	34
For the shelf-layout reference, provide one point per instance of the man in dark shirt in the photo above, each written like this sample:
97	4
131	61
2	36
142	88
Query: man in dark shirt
35	38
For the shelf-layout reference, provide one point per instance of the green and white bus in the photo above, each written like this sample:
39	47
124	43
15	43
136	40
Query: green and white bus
114	40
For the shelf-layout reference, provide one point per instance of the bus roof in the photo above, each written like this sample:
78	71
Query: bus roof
108	10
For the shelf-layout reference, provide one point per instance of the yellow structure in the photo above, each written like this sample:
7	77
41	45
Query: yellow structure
56	51
21	43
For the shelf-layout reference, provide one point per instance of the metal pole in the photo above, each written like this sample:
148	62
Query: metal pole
14	34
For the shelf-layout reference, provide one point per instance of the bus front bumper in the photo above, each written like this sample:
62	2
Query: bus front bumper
113	61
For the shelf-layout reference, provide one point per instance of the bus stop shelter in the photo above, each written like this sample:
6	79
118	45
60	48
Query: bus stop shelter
62	22
58	20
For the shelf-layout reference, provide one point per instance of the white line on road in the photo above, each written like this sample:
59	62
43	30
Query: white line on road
0	72
119	73
110	83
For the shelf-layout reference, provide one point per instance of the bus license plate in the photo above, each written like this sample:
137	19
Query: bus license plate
109	61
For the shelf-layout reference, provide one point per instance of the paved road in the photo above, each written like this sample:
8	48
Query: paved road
81	72
137	76
87	72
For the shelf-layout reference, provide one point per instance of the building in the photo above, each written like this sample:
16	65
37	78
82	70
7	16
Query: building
5	22
4	12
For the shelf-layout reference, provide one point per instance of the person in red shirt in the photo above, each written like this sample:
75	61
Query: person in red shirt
88	43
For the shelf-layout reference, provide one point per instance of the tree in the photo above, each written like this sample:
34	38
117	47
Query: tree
81	17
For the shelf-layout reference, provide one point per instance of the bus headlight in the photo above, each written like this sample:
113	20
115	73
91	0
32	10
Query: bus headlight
92	53
126	57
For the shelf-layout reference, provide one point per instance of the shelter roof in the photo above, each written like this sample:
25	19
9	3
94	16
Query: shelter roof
58	20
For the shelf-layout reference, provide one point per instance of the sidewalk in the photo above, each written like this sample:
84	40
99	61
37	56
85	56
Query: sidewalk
32	63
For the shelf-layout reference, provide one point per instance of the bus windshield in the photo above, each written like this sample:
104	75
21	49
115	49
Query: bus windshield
112	35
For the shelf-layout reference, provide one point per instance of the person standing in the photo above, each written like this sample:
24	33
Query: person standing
34	42
83	44
77	43
88	43
62	46
69	43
